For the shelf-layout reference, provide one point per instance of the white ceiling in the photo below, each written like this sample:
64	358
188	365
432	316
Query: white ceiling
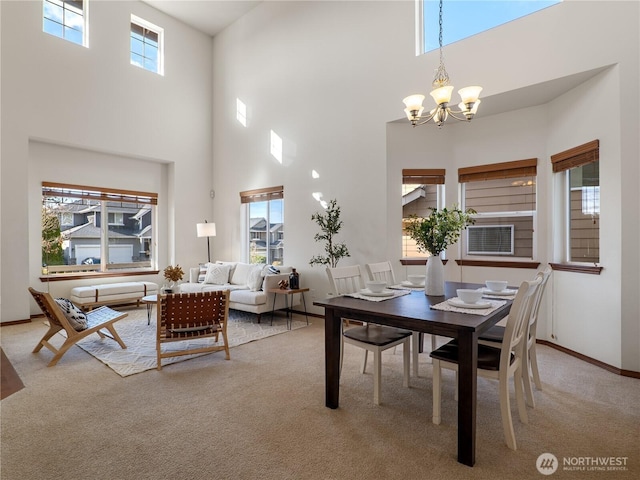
208	16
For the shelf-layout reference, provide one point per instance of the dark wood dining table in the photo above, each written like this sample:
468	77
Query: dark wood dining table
414	312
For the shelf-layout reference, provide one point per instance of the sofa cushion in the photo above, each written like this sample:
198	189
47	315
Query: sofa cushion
217	274
248	297
232	267
73	314
240	274
254	282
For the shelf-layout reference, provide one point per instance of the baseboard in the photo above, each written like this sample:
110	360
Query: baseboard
592	361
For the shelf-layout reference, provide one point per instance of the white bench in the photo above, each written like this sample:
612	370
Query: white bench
112	293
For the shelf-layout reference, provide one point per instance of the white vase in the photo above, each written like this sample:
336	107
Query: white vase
434	279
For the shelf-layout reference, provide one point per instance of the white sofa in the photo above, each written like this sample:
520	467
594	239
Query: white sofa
247	283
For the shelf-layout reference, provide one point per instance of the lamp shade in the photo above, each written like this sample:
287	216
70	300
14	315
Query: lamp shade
442	95
414	102
469	94
206	229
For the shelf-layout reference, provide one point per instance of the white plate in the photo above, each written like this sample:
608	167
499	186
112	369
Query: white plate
384	293
407	283
506	291
456	302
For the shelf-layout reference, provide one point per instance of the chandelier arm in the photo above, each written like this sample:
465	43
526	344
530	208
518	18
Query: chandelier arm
453	114
422	120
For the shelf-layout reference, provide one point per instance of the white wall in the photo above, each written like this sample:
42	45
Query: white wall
85	115
328	76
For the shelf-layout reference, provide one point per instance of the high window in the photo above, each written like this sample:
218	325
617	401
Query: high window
580	167
264	210
422	192
66	19
75	239
504	197
147	45
464	18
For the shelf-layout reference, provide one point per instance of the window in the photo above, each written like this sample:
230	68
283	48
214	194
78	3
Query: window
422	191
86	243
504	197
464	18
581	169
265	226
116	218
147	45
65	19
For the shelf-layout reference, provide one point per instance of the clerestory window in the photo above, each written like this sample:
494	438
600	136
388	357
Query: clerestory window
66	19
147	45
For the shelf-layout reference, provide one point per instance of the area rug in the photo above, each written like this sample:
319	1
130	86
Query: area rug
140	338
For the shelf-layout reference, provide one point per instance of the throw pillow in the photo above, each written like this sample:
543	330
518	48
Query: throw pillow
73	314
255	278
202	271
217	274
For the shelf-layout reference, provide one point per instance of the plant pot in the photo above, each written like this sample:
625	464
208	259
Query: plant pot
434	279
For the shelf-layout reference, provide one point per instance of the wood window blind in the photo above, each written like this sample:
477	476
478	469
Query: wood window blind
494	171
50	189
262	194
423	176
576	156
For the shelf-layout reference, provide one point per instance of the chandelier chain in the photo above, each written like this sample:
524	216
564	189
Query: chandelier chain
441	78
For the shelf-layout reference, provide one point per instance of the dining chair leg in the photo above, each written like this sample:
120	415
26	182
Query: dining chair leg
526	380
520	397
363	368
505	411
377	376
406	354
533	361
433	342
437	390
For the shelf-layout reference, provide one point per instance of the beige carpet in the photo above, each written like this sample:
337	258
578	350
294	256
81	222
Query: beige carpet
140	338
261	415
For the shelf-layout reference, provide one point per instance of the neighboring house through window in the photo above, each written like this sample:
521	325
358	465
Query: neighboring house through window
580	167
66	19
82	242
504	197
147	45
264	210
422	191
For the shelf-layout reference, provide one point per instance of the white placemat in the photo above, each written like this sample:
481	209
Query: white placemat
396	294
447	307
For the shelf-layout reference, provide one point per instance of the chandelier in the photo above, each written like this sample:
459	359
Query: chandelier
441	93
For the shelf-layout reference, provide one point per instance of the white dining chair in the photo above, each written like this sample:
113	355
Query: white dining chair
370	337
383	271
496	363
495	335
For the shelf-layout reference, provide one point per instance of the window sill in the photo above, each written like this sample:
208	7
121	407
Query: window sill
86	275
496	263
568	267
417	261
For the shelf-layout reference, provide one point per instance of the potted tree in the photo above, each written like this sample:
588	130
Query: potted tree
433	234
330	224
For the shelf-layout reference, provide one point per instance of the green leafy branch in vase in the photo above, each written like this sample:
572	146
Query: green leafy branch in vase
442	228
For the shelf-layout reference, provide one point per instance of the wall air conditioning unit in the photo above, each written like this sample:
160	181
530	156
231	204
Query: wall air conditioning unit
490	240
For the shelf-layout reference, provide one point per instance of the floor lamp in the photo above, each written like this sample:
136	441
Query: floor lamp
206	230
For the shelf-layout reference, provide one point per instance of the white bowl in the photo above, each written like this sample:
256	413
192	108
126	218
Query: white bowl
468	295
376	286
416	279
496	285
